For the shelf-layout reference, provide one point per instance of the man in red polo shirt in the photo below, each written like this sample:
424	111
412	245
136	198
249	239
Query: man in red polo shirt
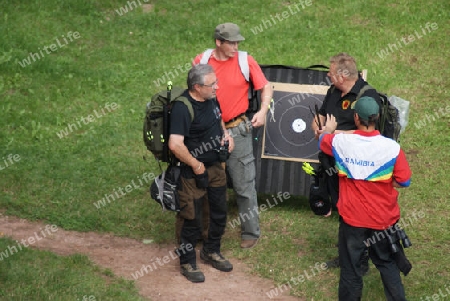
233	99
370	167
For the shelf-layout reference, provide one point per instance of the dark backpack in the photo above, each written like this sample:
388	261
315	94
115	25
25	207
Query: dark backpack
389	123
164	189
319	199
157	121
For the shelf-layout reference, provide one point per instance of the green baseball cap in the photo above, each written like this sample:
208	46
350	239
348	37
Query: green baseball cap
229	32
365	107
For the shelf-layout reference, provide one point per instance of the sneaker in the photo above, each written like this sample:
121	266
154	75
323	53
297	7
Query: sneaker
217	261
333	263
192	273
248	243
365	263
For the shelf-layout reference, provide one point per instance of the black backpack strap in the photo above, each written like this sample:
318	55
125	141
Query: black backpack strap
363	90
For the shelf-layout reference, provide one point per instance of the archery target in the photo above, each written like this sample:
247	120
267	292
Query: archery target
288	134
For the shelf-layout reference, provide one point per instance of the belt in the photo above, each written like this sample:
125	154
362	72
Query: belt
234	122
207	164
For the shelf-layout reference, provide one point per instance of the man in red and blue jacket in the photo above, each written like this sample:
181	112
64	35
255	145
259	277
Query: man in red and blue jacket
370	167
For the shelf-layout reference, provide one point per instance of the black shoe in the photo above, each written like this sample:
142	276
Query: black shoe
217	261
365	263
333	263
192	273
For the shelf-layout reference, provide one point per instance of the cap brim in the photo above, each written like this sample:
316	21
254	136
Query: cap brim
236	39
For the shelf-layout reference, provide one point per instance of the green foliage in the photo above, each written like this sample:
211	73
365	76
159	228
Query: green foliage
126	59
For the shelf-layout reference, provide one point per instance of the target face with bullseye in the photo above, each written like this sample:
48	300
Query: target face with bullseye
288	134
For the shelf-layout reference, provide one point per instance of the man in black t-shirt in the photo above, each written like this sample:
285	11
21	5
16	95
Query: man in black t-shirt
347	83
196	143
339	100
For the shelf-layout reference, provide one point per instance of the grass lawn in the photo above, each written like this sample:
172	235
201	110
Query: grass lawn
71	126
39	275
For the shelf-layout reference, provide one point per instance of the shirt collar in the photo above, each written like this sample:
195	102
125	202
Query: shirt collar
367	134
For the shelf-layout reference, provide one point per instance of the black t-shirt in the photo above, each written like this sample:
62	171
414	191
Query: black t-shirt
202	136
340	107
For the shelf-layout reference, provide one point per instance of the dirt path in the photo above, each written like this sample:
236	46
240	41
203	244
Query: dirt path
125	257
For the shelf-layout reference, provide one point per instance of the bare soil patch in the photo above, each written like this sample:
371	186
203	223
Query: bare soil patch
126	256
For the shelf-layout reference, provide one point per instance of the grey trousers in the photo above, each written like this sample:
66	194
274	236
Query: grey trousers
242	170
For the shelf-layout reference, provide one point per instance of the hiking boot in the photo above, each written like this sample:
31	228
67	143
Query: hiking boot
333	263
365	263
248	243
217	261
192	273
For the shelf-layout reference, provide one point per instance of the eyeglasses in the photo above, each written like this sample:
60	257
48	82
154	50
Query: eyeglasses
211	85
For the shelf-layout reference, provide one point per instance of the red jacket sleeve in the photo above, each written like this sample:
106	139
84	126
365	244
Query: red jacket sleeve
325	143
402	172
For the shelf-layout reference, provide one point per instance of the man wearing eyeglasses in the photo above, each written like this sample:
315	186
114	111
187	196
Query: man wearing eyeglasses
192	142
234	102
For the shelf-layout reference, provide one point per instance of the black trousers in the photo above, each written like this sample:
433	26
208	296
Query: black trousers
328	164
190	215
352	244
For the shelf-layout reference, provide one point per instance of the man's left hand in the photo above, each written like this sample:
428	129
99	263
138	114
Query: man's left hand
229	138
259	119
331	124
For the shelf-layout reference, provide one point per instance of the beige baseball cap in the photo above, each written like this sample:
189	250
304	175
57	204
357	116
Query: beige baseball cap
229	32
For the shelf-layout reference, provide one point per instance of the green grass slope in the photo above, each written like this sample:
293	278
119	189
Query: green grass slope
71	119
